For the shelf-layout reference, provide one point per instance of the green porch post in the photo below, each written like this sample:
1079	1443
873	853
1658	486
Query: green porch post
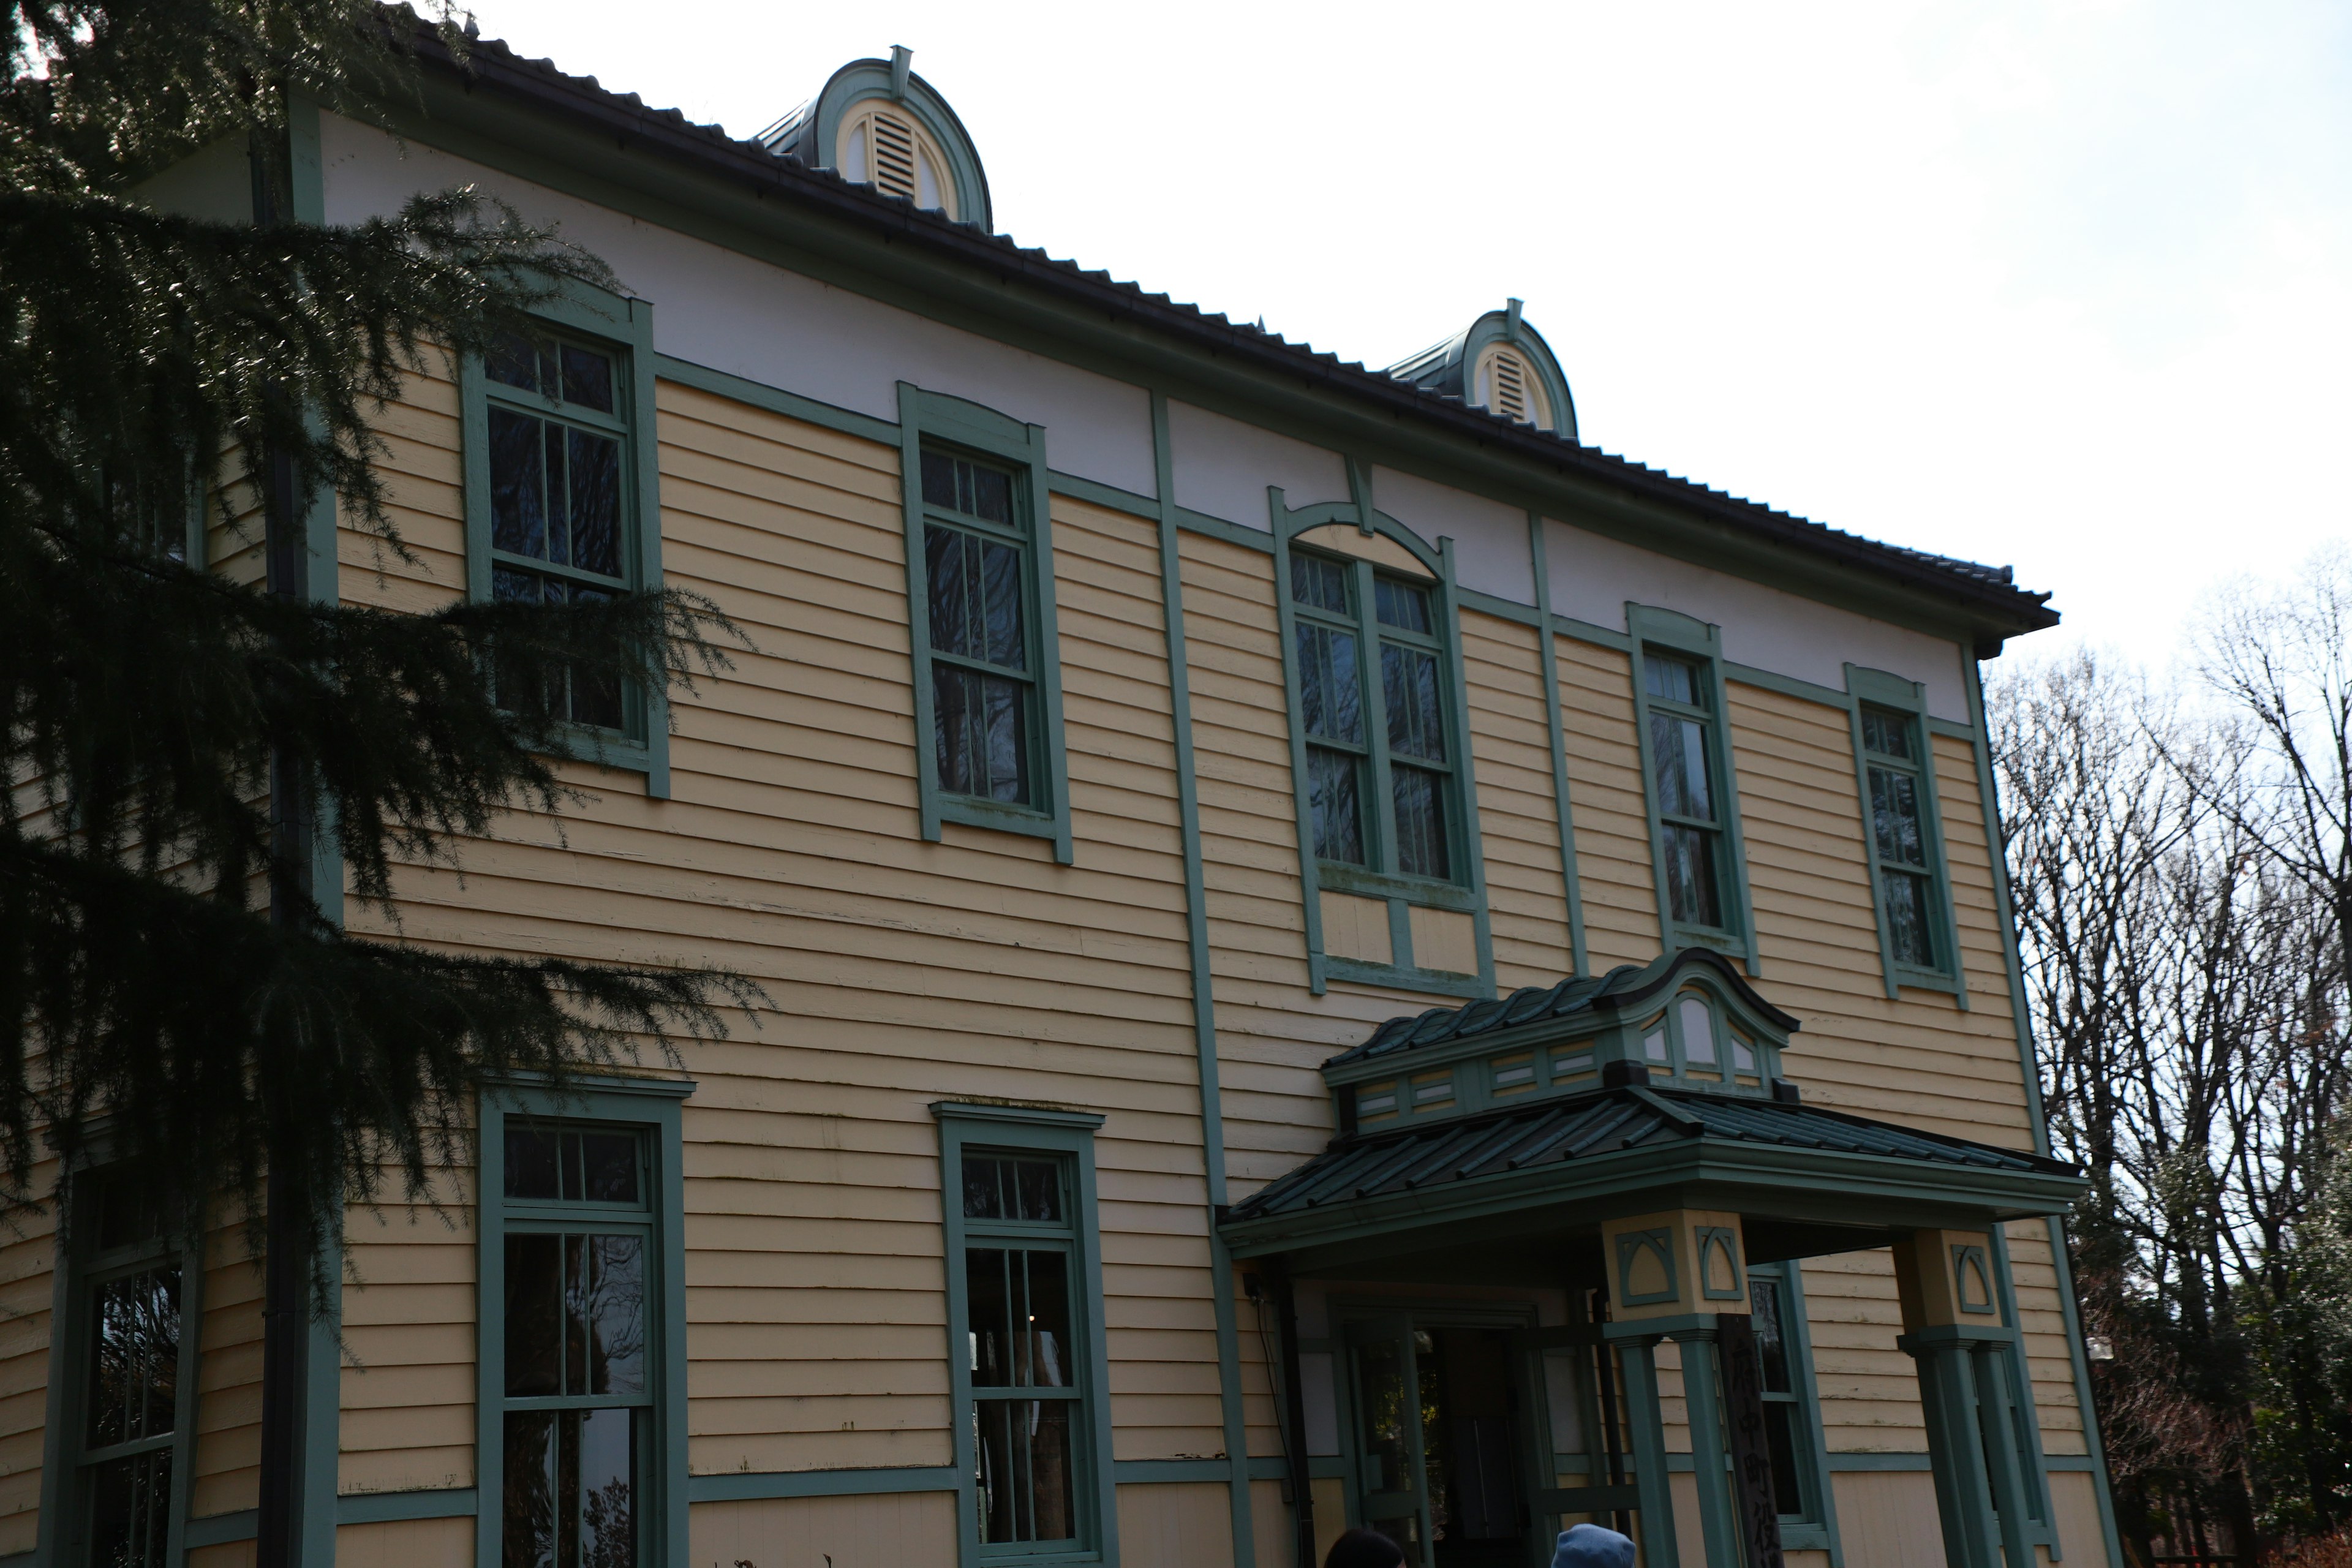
1710	1466
1647	1426
1997	1414
1956	1446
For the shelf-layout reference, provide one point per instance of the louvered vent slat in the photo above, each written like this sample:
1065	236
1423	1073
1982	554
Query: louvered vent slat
894	156
1510	388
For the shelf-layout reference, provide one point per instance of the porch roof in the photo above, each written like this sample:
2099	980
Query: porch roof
1825	1180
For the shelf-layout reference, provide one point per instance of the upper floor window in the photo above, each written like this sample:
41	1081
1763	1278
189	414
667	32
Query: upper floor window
561	523
1381	776
985	694
1685	777
1899	837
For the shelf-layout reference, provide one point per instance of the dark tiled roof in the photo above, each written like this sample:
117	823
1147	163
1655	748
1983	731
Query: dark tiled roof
1560	1131
493	65
1626	985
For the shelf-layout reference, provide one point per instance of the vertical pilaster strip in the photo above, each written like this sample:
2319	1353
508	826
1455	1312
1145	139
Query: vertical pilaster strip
1204	1006
1647	1424
1547	646
1996	1417
1716	1527
1989	795
1948	1396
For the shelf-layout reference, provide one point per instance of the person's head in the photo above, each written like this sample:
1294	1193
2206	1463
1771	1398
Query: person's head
1591	1546
1365	1549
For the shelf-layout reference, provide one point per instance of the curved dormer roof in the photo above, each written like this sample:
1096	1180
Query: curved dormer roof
878	123
1499	364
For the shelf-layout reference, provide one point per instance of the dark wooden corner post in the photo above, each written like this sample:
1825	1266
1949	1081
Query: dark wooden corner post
1294	1409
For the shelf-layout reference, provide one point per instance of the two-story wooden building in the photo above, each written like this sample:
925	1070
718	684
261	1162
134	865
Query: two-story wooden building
1336	954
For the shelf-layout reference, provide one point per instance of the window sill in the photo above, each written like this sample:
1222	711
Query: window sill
971	812
1802	1535
1394	977
604	749
1337	877
1715	939
1906	978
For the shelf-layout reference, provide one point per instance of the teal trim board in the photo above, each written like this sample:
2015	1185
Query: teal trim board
1902	704
1548	659
651	1110
1204	1006
960	432
623	330
1068	1139
1700	645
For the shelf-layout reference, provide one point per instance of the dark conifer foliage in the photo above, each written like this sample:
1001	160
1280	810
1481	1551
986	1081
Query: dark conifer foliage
152	363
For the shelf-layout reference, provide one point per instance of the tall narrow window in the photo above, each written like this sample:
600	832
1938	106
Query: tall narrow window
1788	1435
1908	899
984	667
1684	779
559	489
123	1409
1363	724
578	1346
1026	1361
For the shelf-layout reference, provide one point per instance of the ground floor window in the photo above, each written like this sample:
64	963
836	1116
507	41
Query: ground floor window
1783	1353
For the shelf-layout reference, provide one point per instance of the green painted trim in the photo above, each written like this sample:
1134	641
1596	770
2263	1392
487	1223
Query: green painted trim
1786	685
1848	1464
776	400
1070	1134
70	1318
224	1529
2004	910
1176	1473
2031	1464
655	1106
1234	1465
1500	608
1579	961
1286	627
1646	627
1110	497
1950	729
393	1508
1877	688
627	326
1799	1327
760	1486
1022	446
2095	1461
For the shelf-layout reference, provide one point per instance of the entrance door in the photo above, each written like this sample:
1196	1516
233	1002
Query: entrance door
1392	1487
1438	1432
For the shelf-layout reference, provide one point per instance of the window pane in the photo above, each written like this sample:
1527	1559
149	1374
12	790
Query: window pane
604	1314
513	360
595	479
951	561
608	1163
1698	1032
1318	584
1380	1374
127	1213
1401	604
131	1510
559	526
1040	1190
958	484
517	484
1906	917
938	479
1000	568
988	1304
1333	806
534	1315
1894	817
607	1469
955	712
1674	680
1780	1439
991	494
1043	1361
1772	1340
530	1163
1888	735
1420	821
1008	740
587	378
1409	685
1331	698
1691	895
526	1516
1025	1460
134	1365
983	1195
1678	753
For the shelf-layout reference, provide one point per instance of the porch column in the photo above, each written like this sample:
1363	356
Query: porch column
1670	1275
1953	1329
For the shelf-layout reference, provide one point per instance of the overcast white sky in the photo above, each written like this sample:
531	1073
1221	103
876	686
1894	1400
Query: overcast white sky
2061	283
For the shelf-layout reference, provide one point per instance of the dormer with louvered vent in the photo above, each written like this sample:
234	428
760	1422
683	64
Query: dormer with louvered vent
880	124
1501	365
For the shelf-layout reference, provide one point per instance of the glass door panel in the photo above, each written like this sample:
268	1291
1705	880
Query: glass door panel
1392	1488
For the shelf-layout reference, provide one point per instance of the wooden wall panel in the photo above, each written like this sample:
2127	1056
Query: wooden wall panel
1186	1524
805	1532
1886	1518
1518	818
27	1284
1612	814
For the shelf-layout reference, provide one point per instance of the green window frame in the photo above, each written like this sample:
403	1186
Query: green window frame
563	493
581	1363
1681	719
981	621
2041	1516
122	1408
1902	834
1033	1432
1794	1438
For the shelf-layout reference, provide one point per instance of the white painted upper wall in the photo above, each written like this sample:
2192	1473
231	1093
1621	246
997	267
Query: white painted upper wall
720	308
1594	576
